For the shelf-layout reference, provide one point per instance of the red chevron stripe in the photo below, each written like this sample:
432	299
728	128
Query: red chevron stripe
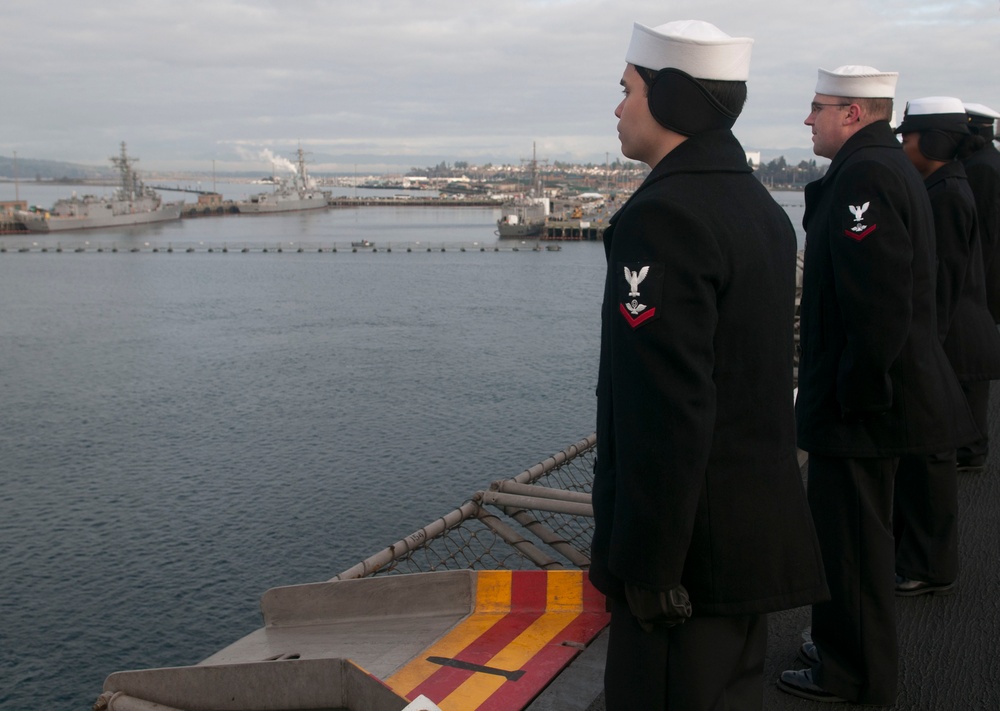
858	236
636	321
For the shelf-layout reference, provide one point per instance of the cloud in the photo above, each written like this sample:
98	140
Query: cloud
185	82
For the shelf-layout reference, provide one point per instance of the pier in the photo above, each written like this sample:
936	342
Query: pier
574	230
407	201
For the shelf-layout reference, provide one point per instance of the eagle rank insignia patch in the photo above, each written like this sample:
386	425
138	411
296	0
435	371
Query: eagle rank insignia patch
861	223
640	287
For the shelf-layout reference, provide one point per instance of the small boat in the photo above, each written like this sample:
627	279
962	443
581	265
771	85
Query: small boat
363	243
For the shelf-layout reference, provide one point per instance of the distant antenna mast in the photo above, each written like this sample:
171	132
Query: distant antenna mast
534	170
536	178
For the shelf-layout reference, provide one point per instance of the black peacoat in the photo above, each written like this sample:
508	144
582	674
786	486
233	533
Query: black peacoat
873	378
696	480
983	170
967	330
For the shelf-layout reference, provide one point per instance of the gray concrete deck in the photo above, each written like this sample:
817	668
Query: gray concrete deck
949	646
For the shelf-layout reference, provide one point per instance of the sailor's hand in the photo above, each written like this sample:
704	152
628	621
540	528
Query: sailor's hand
657	608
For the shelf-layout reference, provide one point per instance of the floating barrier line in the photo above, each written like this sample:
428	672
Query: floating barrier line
264	249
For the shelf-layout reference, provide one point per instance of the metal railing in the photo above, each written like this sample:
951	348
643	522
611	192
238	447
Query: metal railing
541	518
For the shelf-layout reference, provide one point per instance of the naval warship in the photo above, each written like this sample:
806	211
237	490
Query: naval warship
297	193
132	203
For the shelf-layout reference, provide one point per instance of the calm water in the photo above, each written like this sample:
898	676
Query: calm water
182	431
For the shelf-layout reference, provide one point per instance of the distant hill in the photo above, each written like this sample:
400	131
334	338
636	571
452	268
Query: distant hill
31	169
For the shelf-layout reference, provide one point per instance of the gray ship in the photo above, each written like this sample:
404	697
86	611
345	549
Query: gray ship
523	217
296	193
132	203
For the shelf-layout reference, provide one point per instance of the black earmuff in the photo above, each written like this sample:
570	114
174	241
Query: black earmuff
679	102
935	144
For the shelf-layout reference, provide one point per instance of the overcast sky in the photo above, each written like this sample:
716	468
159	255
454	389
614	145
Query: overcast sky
384	85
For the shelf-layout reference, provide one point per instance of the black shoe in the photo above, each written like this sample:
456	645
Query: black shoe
800	683
911	588
808	654
972	465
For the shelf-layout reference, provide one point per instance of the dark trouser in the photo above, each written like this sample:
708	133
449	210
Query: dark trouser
855	632
704	664
925	518
977	394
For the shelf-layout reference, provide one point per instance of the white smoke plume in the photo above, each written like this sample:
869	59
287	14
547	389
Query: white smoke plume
277	163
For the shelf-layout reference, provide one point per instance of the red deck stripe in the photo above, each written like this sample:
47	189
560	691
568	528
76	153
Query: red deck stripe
542	668
593	599
528	591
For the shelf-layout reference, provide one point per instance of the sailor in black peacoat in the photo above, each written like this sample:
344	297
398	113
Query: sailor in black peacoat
983	170
982	167
874	382
701	523
925	510
697	478
873	378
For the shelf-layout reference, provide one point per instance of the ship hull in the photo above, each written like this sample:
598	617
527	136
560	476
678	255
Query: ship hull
515	231
57	223
268	206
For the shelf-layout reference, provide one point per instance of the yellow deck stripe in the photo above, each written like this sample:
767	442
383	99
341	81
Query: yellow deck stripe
564	602
492	603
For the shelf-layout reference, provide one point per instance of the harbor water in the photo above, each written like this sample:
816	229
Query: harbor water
183	430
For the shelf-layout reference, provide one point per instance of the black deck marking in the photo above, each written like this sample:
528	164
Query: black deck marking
469	666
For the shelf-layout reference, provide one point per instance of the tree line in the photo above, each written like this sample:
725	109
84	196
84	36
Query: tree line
777	174
780	174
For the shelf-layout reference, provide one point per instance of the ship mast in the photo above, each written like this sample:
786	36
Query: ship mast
302	169
536	176
130	185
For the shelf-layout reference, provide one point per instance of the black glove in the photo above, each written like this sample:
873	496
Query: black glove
654	608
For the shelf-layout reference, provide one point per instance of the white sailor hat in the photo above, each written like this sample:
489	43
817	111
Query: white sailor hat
980	110
856	81
697	48
943	113
980	115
